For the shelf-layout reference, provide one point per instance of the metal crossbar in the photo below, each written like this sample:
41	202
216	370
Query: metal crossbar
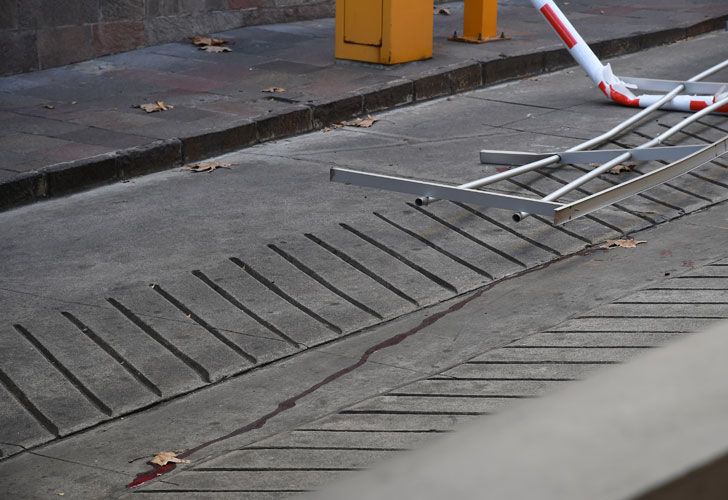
691	95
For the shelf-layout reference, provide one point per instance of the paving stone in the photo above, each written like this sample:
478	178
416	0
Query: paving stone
512	371
644	325
667	310
450	405
679	296
536	355
480	388
366	422
27	143
704	283
262	458
101	137
350	439
591	339
250	481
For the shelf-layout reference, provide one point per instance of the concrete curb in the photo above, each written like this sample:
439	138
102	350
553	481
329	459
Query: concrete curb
69	177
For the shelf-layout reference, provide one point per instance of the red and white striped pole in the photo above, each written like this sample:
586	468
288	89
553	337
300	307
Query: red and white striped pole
602	75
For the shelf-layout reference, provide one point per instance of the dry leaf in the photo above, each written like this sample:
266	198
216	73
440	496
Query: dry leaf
216	49
623	243
444	11
362	122
206	40
164	457
274	90
206	166
153	107
622	167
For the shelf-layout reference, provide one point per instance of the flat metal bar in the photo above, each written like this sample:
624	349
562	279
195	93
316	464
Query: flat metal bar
433	189
655	85
495	157
635	186
666	153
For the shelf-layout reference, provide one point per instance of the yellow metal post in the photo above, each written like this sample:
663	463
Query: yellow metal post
480	22
384	31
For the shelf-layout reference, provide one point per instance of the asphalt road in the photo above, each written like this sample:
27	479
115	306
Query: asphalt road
126	308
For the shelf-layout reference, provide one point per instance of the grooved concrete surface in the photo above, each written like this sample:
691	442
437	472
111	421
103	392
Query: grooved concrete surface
123	297
320	452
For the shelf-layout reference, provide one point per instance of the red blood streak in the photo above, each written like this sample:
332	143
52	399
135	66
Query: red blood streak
291	402
558	25
151	474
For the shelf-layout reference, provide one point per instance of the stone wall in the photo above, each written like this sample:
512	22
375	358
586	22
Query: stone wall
39	34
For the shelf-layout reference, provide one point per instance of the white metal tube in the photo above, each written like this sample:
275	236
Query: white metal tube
602	75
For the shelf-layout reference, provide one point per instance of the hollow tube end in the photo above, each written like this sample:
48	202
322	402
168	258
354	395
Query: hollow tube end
422	201
519	216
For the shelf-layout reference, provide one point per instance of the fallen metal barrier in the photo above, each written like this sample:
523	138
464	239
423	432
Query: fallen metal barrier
693	95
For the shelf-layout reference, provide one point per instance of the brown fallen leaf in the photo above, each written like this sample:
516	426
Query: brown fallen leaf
623	243
153	107
362	122
215	49
208	166
164	457
444	11
622	167
206	40
274	90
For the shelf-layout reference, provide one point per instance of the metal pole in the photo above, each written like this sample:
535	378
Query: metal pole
626	156
596	141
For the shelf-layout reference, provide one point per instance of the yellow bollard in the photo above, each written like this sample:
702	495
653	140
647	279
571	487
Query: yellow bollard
480	22
384	31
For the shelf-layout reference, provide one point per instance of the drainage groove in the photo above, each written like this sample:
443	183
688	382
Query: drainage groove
156	336
323	282
230	298
124	363
361	268
204	324
88	393
277	290
433	277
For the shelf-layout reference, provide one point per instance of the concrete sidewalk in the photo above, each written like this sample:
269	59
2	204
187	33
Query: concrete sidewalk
71	128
